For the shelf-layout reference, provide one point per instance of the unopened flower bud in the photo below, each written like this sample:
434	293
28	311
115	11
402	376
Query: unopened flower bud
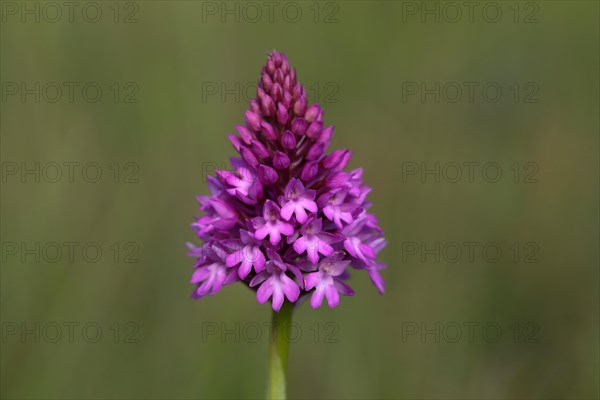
254	106
282	114
277	92
287	84
293	75
260	93
336	159
315	152
245	134
268	131
268	106
314	130
271	67
288	140
253	120
337	179
326	135
287	99
280	160
298	91
249	157
260	150
267	82
300	106
235	141
267	175
285	67
309	171
312	113
278	77
299	126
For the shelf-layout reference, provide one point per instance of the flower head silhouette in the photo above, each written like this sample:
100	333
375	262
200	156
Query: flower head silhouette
286	220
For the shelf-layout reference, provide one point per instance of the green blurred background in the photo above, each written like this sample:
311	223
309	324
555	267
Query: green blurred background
356	57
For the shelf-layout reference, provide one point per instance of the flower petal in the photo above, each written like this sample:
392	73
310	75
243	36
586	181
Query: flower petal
265	291
343	288
278	298
290	289
234	258
312	280
287	210
317	298
300	245
333	297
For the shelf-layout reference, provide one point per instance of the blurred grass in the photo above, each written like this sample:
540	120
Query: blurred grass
171	134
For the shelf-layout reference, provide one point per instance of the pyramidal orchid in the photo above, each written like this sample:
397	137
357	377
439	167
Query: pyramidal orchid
286	220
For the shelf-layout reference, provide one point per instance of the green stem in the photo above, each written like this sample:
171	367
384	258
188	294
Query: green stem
278	351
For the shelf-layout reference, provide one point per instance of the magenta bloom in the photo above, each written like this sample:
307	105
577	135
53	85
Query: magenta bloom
313	241
286	220
249	255
327	281
298	201
271	224
276	283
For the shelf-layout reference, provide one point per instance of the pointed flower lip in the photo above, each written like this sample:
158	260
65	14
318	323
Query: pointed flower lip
212	274
278	286
287	219
355	243
271	225
313	241
209	278
327	282
243	183
335	264
249	256
275	283
337	208
297	201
